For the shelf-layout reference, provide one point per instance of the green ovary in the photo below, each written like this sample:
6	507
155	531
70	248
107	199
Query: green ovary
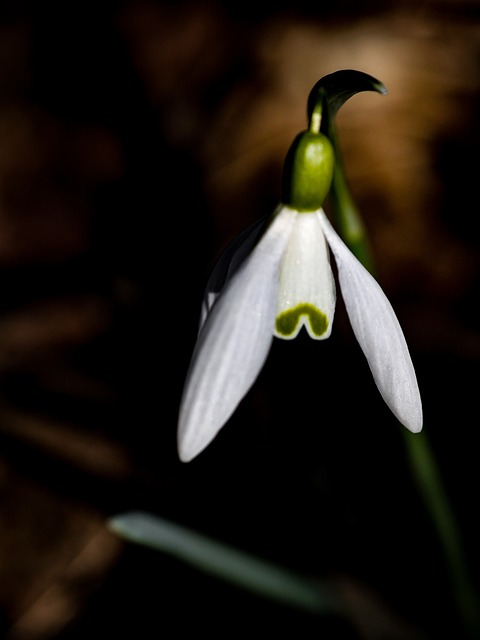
287	321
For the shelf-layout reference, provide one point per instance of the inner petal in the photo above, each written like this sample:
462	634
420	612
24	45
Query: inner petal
306	292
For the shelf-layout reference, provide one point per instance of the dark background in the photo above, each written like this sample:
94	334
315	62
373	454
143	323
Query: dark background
136	139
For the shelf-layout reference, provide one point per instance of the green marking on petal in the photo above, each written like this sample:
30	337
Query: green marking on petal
287	321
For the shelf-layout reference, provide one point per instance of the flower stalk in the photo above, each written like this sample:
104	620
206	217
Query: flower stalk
421	457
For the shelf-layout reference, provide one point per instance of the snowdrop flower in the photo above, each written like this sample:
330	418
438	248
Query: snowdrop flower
275	279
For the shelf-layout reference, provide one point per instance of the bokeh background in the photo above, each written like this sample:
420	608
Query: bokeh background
136	139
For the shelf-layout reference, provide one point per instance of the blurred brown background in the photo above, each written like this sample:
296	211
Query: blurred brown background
136	139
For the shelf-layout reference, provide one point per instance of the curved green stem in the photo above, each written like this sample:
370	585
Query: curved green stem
347	217
429	482
420	454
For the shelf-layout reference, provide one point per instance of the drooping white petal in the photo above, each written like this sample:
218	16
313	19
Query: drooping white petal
228	262
234	342
306	294
378	332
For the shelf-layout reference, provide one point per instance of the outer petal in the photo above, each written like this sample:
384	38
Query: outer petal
228	262
378	332
306	293
234	342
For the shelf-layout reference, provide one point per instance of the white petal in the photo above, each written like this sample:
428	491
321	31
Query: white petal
234	342
306	282
228	262
378	332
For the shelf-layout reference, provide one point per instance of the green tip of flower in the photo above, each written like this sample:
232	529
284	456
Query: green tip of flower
308	171
286	324
310	162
